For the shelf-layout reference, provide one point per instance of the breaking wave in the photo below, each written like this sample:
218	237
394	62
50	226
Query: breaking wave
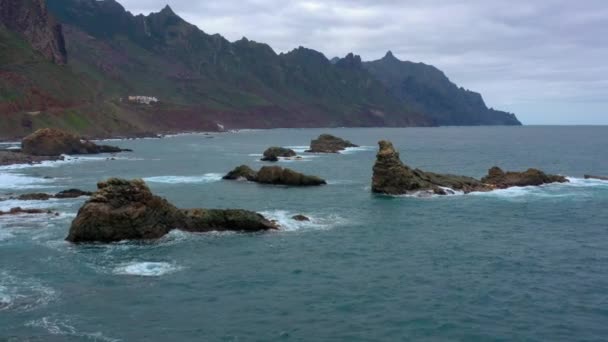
147	269
352	150
206	178
64	327
15	181
23	294
287	223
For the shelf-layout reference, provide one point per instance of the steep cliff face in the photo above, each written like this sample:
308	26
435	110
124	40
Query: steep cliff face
428	90
32	21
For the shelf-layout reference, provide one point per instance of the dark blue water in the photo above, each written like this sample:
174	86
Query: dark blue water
521	264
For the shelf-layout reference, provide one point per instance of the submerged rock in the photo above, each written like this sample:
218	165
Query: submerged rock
272	154
72	193
327	143
19	211
596	177
54	142
128	210
300	218
502	180
274	175
12	158
392	177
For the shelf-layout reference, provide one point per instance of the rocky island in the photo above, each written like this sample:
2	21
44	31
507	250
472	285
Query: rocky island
327	143
128	210
50	144
274	175
392	177
273	154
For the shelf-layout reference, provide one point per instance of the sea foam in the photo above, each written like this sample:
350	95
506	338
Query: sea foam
146	269
64	327
206	178
287	223
15	181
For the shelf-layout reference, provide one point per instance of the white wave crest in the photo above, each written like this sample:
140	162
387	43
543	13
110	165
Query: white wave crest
352	150
15	181
287	223
298	149
147	269
64	327
23	294
206	178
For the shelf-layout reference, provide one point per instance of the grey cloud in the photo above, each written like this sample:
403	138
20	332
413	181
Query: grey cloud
515	53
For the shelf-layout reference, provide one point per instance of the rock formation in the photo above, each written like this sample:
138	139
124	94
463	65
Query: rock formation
596	177
272	154
54	142
12	158
392	177
327	143
128	210
300	218
274	175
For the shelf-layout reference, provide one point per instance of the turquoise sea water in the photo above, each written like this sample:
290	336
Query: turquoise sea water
521	264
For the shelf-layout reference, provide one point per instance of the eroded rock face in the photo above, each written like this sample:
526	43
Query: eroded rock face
392	177
274	175
532	177
31	19
124	210
206	220
272	154
128	210
327	143
54	142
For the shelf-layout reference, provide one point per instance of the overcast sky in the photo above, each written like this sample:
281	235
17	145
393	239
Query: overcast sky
545	60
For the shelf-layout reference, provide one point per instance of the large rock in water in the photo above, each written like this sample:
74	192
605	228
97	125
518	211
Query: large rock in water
124	210
392	177
272	154
502	180
206	220
274	175
327	143
128	210
54	142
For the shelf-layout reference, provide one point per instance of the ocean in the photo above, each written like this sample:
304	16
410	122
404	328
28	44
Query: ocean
520	264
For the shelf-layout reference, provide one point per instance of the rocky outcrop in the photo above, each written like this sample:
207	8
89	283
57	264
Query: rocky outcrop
206	220
503	180
274	175
128	210
12	158
54	142
21	211
32	21
71	193
242	172
272	154
392	177
596	177
327	143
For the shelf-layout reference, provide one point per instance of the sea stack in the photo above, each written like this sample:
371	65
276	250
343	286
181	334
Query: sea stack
327	143
273	154
392	177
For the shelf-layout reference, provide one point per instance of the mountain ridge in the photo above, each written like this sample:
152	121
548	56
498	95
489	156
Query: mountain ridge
203	81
